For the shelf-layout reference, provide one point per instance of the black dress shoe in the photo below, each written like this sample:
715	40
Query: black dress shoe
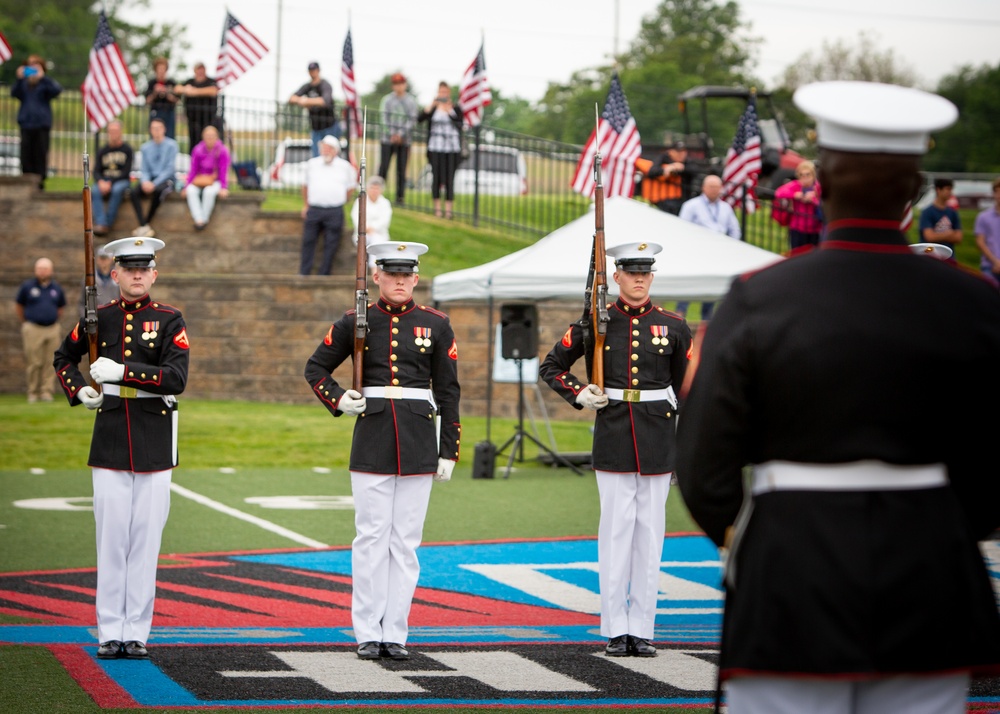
112	649
368	650
617	646
394	651
638	647
133	649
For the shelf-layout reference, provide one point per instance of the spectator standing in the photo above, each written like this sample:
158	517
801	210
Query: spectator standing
378	215
645	357
801	198
208	178
112	174
812	373
399	116
107	288
316	96
161	97
708	210
444	146
939	222
201	104
143	365
35	90
39	303
664	179
410	365
988	237
330	181
157	175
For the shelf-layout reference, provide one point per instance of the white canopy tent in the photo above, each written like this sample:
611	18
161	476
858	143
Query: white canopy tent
695	264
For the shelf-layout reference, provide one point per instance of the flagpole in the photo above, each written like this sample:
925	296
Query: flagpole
277	61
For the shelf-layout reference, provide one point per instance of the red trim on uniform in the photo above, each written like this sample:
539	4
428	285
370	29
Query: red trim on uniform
328	340
566	386
75	334
453	350
635	444
567	339
885	248
128	427
395	427
863	223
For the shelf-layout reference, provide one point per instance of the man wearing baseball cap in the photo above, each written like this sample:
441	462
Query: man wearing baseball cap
405	437
142	365
399	115
645	357
316	96
847	378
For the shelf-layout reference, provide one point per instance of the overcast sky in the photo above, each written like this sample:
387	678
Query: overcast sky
529	43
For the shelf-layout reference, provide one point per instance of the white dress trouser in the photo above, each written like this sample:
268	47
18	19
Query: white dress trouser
924	694
389	514
629	548
130	510
201	201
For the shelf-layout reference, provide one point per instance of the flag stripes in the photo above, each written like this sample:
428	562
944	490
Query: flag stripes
108	87
349	87
474	93
619	147
239	51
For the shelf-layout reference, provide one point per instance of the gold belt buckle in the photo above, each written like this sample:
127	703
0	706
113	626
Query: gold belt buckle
128	392
393	392
630	395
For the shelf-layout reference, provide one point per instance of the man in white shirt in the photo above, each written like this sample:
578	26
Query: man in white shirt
330	182
715	214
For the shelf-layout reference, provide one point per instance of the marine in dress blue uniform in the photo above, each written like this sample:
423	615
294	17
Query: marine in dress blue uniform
852	379
410	393
143	365
646	353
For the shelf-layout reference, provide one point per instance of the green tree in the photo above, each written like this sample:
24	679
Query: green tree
682	44
62	31
973	143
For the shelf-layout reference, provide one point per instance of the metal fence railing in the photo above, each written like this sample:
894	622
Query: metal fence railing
523	182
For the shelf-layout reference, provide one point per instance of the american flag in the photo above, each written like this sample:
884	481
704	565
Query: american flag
474	93
108	87
350	90
5	51
743	160
240	50
620	146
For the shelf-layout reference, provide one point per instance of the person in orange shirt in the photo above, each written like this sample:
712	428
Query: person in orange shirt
662	184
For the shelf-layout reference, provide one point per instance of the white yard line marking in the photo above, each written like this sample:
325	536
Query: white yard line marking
266	525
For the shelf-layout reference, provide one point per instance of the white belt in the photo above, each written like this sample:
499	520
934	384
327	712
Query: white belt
642	395
425	395
854	476
116	390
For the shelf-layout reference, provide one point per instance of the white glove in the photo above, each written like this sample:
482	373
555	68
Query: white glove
445	467
105	370
591	397
351	402
90	397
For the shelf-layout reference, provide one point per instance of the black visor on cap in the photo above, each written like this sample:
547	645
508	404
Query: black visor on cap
397	266
135	261
635	266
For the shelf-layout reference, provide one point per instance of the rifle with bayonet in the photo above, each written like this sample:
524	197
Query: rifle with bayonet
90	285
598	273
361	269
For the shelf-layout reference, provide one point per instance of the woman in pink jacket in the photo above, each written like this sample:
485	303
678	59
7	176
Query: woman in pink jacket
801	198
208	178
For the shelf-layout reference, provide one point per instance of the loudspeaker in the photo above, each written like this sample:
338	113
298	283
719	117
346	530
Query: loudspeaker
518	331
484	460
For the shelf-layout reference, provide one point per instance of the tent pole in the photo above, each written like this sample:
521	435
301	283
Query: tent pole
489	363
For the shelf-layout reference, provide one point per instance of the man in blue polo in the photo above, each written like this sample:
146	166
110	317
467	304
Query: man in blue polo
40	302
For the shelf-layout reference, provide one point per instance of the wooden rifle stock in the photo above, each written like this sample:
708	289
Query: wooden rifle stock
599	289
361	272
90	285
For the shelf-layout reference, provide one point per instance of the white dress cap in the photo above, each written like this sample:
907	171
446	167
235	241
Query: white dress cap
935	250
635	257
397	256
868	117
135	252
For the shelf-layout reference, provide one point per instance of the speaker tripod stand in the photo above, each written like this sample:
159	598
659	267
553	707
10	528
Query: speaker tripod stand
516	441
